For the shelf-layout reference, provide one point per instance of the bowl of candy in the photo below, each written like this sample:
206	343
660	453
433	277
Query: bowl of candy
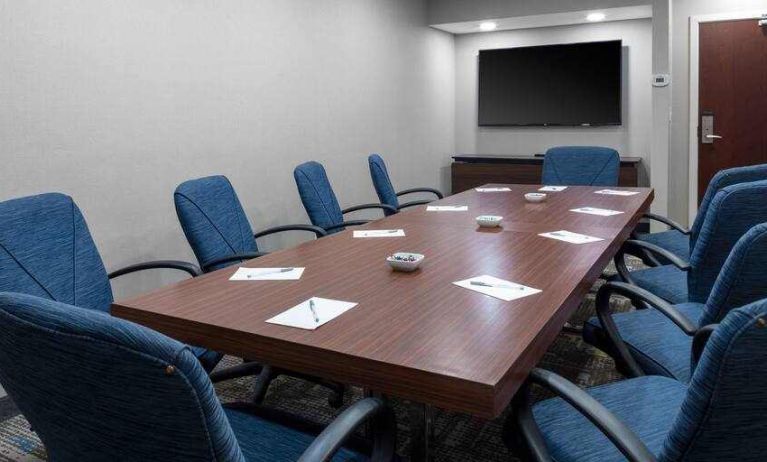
405	261
535	197
489	221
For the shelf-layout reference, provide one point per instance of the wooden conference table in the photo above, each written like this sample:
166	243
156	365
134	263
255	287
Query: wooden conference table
413	335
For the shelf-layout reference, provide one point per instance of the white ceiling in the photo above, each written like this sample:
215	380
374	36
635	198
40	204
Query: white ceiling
548	20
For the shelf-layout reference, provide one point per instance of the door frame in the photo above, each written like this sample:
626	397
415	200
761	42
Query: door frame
695	22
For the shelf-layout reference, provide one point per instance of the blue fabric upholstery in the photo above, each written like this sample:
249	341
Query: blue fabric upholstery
317	195
671	240
718	416
667	282
95	387
213	220
648	405
47	250
265	441
581	165
382	182
657	344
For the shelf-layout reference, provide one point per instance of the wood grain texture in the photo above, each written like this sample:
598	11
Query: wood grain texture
414	335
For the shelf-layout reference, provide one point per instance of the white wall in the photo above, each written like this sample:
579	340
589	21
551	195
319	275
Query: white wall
631	139
115	103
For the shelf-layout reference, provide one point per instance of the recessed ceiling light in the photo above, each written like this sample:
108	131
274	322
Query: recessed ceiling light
488	26
595	17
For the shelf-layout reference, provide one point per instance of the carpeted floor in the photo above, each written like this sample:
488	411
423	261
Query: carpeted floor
458	437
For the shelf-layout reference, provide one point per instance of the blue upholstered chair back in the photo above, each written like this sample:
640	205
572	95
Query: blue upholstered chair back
317	195
722	179
743	278
581	166
94	387
722	416
382	183
213	220
732	213
46	250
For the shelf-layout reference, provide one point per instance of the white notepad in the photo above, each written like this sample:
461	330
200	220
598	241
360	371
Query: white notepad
573	238
267	274
447	208
616	192
379	233
596	211
498	288
302	317
552	188
504	189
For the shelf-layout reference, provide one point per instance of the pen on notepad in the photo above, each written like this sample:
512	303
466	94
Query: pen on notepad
496	286
314	312
281	270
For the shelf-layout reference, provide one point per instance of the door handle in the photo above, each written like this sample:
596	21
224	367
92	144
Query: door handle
713	137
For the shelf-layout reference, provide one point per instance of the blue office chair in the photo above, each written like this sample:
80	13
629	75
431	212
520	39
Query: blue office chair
718	416
734	210
680	240
46	250
320	201
215	224
94	388
658	340
385	190
220	235
581	166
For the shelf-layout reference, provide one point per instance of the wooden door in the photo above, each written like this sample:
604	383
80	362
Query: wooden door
732	123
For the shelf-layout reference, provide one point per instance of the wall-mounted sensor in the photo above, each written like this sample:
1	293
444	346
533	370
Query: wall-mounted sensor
661	80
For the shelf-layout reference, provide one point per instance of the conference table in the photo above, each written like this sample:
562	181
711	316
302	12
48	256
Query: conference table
414	335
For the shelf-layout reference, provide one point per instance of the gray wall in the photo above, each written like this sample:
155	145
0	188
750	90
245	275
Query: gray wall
115	103
630	139
680	124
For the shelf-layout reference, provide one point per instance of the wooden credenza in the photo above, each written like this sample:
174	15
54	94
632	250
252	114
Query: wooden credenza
472	170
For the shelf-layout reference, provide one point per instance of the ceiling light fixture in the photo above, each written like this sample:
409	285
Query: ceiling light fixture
595	17
488	26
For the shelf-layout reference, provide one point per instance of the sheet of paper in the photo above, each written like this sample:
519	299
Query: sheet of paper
267	274
552	188
573	238
616	192
498	288
379	233
302	317
596	211
447	208
504	189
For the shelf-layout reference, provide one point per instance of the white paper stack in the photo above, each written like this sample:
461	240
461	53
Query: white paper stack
498	288
379	233
487	190
447	208
616	192
267	274
552	188
596	211
303	317
573	238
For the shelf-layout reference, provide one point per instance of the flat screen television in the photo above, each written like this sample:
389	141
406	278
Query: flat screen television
561	85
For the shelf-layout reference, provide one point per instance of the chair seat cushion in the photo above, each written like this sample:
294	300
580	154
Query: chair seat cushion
671	240
667	282
208	358
267	441
657	344
648	405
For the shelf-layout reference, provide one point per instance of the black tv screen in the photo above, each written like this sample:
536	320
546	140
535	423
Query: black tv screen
569	85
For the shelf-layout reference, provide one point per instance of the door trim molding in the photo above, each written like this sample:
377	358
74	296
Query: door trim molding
695	22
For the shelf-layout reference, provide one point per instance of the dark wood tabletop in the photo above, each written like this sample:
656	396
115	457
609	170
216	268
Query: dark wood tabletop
413	335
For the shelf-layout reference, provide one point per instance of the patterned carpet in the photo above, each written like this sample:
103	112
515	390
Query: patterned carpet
457	437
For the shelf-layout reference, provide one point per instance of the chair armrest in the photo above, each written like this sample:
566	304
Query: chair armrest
627	442
319	232
424	190
347	223
414	203
668	222
332	438
240	256
699	342
187	267
652	248
369	206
